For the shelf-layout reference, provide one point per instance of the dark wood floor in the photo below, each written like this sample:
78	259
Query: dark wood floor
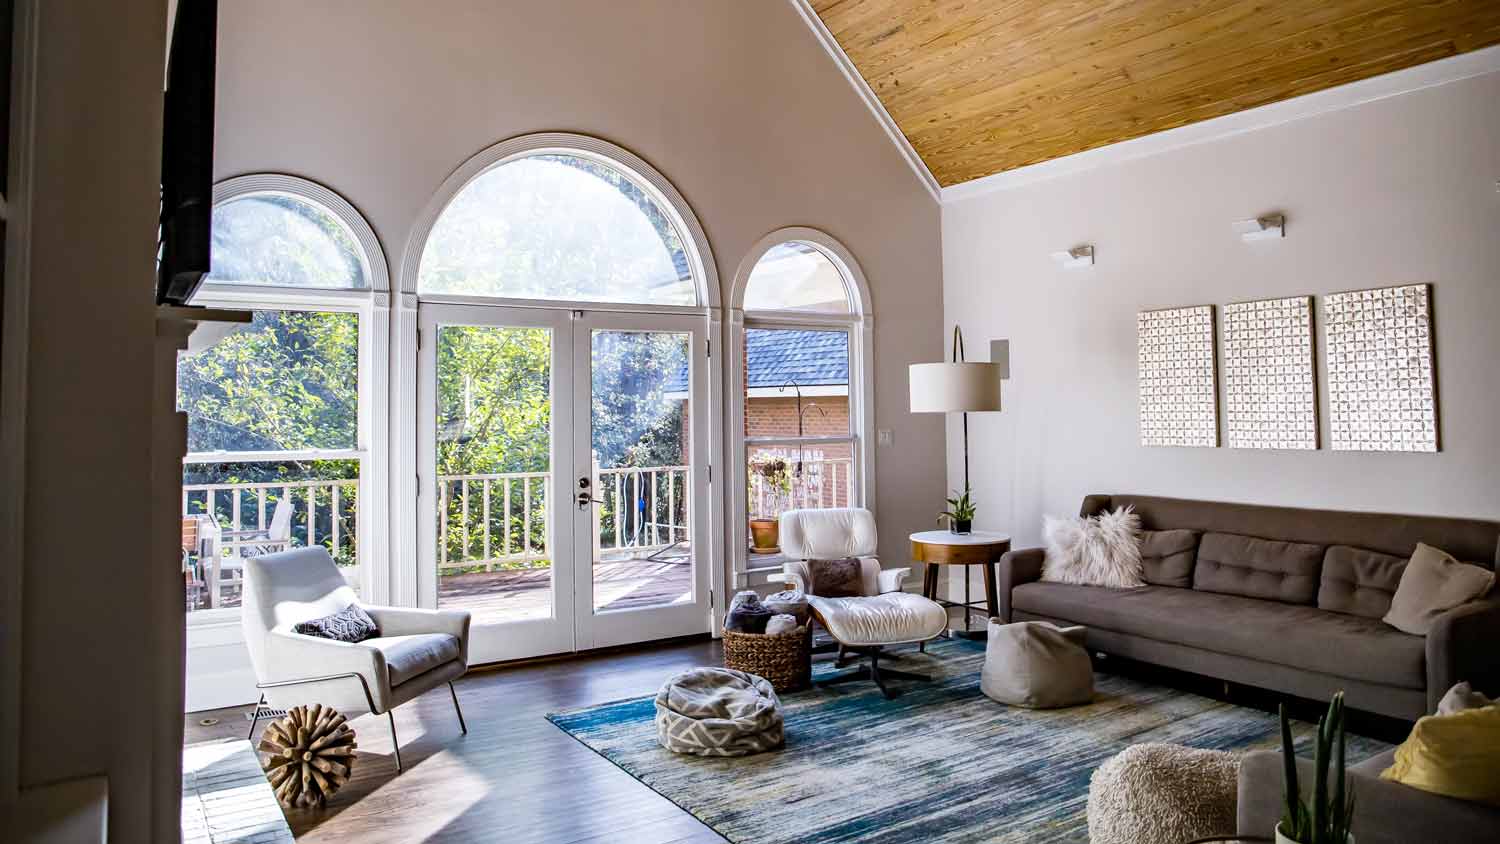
514	778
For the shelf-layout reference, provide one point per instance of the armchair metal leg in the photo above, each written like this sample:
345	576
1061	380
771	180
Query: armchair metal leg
873	672
395	744
255	718
456	708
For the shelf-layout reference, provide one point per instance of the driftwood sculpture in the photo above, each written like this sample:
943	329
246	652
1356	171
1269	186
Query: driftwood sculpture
311	753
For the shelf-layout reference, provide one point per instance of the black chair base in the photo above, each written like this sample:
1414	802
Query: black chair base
872	670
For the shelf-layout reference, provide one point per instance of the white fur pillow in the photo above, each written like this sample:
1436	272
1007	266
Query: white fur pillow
1101	551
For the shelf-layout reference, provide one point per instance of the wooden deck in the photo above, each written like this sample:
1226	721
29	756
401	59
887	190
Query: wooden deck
522	594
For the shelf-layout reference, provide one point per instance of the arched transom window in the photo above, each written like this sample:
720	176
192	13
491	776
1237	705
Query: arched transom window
279	239
796	276
558	225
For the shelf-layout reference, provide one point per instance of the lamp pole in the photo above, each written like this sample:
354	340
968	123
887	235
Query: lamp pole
958	357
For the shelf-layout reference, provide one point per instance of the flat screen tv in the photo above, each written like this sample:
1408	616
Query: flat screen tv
187	153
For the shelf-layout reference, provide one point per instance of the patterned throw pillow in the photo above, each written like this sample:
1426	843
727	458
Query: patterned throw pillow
350	624
837	578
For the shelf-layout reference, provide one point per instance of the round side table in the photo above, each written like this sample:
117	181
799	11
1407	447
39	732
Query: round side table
945	548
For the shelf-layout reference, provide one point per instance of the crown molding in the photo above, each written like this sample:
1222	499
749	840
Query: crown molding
867	96
1396	83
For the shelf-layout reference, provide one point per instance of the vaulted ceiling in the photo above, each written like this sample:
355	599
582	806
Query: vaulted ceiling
982	86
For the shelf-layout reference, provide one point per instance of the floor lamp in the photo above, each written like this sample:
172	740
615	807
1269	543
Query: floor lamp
956	387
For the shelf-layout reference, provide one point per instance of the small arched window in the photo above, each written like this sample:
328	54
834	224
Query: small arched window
796	276
282	240
803	343
558	225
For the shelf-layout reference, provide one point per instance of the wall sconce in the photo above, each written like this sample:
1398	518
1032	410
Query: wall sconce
1078	256
1261	228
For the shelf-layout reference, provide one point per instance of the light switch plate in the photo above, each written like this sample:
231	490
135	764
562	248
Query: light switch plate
885	436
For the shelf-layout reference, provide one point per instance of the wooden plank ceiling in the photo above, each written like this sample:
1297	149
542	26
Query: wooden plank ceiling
982	86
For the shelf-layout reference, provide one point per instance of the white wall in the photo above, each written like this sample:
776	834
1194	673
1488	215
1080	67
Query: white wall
1392	192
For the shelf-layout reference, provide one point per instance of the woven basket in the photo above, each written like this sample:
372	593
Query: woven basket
785	658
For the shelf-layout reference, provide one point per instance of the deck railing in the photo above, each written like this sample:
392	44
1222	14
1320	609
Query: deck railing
323	511
824	483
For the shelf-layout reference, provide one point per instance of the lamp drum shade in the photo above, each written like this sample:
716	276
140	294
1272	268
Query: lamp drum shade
954	387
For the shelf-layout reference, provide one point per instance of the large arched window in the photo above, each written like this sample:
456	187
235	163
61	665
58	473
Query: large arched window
559	225
282	410
802	341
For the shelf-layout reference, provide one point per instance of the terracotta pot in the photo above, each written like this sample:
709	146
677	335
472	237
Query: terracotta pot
764	536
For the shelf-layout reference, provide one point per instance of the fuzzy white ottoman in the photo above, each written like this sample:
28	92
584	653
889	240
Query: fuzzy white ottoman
1163	794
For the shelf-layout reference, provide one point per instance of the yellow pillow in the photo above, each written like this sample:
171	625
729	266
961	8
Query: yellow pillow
1454	755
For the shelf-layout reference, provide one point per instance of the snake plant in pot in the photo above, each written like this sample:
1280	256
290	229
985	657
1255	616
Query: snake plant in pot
960	513
1327	820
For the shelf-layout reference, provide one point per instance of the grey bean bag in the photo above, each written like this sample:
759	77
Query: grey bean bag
718	712
1037	665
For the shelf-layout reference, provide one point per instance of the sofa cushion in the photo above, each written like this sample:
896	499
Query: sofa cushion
1358	581
1297	636
1167	556
1234	564
408	656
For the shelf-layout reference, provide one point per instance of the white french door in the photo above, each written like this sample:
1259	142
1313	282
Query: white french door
565	458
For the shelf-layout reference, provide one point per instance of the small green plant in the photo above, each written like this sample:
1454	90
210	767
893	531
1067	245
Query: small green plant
1327	821
960	509
776	484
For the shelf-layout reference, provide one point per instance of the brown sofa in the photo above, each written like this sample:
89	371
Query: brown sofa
1277	597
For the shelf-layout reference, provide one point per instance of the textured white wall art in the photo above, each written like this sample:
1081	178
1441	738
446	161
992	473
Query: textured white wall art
1178	393
1271	400
1382	391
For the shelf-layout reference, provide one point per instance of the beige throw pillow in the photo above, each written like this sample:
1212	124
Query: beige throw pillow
1432	584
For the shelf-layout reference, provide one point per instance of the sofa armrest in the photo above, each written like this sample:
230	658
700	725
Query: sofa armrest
1384	812
1015	568
1460	647
292	656
409	621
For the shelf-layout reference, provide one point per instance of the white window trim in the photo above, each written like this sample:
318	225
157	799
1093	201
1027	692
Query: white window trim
372	306
860	325
405	558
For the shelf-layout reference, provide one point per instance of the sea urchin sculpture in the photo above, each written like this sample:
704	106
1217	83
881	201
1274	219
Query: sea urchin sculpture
311	753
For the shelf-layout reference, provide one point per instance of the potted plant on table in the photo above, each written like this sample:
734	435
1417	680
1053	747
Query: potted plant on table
775	484
1327	820
960	513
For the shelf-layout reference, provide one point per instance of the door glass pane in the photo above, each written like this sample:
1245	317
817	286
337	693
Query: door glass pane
494	465
640	429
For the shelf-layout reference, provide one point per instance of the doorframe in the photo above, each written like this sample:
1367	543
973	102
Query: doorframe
557	634
403	563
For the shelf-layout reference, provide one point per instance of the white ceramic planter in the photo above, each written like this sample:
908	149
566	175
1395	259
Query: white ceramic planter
1283	839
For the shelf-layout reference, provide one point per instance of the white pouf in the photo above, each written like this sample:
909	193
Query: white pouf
718	712
1154	793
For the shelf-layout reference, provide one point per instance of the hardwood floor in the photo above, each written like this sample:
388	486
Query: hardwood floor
514	778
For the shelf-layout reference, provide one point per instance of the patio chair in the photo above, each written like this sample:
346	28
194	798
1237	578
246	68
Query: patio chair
416	650
251	542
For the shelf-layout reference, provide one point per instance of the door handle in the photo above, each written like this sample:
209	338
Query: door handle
584	500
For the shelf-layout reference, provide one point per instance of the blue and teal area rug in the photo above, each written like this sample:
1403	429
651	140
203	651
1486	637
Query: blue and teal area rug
940	763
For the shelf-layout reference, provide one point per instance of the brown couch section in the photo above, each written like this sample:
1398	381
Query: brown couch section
1268	569
1167	557
1470	540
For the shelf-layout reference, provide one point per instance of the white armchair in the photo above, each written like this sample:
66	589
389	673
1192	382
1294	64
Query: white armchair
416	650
881	615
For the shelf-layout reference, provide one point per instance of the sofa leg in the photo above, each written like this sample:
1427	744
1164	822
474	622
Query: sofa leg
395	744
456	708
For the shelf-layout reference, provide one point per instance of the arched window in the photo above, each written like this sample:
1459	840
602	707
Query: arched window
802	338
796	276
280	239
559	225
282	409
